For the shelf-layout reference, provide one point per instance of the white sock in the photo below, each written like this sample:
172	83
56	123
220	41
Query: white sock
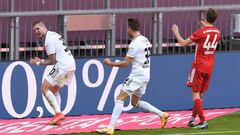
149	108
192	119
52	101
58	97
116	113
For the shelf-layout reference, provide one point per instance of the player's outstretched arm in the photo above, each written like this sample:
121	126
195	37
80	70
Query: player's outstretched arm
123	63
35	61
181	41
50	61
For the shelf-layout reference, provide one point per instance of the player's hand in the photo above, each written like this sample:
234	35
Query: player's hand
107	61
35	61
32	61
201	24
175	28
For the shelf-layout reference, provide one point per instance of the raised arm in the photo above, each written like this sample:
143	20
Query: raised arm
181	40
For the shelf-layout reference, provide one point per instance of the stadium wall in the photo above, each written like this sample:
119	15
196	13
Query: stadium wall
186	20
95	86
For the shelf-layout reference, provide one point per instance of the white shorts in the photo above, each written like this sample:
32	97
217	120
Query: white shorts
133	87
59	77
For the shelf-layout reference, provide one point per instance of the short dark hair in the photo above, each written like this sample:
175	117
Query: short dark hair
133	24
37	22
211	15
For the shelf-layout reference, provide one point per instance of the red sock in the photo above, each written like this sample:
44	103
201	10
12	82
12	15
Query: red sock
199	109
194	112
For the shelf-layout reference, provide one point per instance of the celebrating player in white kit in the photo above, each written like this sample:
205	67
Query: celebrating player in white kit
135	85
63	71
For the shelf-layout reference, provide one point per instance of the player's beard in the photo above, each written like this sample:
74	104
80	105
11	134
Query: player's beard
130	36
39	35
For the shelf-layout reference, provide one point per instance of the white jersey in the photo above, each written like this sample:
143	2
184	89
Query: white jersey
54	43
139	50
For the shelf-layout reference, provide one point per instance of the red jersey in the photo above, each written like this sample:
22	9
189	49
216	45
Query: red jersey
206	40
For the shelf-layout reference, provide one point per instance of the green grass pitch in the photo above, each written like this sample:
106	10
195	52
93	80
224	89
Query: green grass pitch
224	125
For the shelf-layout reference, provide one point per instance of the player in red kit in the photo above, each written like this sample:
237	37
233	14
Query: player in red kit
206	39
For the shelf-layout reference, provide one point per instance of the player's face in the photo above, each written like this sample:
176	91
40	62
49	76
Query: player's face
39	30
130	32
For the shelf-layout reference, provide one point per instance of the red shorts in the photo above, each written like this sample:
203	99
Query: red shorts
198	81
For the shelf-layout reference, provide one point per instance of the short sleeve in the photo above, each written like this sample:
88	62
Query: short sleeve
132	50
196	36
50	47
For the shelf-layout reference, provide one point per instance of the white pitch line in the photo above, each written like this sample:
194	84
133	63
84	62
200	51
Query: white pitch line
201	133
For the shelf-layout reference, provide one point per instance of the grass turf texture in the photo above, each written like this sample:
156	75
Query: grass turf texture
224	125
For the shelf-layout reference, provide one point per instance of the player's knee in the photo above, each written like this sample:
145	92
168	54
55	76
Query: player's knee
55	89
134	103
122	96
196	97
44	88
